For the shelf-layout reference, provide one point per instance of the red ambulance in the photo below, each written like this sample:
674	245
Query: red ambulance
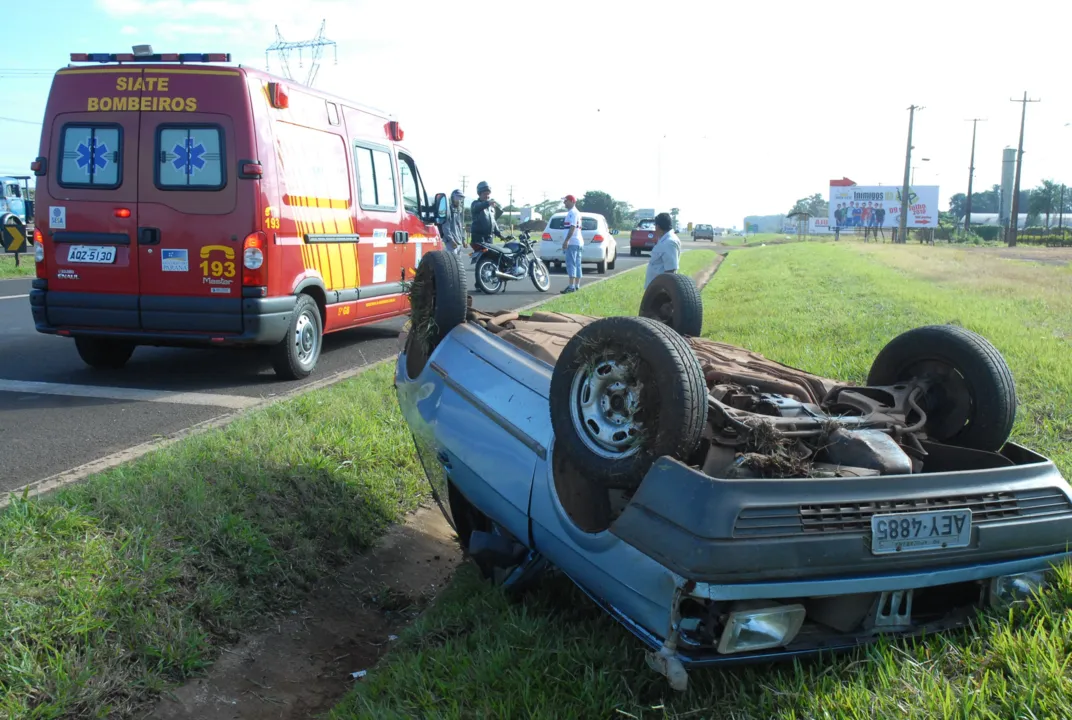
186	203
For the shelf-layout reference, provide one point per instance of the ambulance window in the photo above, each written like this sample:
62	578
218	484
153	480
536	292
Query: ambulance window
189	158
90	156
375	178
410	195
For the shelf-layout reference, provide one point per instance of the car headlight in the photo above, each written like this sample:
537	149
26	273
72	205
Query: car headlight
761	628
1009	589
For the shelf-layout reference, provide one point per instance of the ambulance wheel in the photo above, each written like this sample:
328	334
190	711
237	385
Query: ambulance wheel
295	356
104	353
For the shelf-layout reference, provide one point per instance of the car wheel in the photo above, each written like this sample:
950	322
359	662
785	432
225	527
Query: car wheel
515	574
601	267
104	353
624	392
674	299
970	400
437	304
295	356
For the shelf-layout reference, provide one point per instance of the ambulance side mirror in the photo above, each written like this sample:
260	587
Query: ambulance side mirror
440	208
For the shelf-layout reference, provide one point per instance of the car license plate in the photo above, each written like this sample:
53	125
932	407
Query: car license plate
914	531
91	254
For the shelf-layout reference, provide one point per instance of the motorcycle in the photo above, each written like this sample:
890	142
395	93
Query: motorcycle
497	265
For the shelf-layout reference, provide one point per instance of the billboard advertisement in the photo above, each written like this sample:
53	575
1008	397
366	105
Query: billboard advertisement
863	206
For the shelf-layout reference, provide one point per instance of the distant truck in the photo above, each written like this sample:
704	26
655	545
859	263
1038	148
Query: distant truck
15	197
703	232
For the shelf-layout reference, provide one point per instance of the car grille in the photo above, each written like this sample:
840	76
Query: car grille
841	518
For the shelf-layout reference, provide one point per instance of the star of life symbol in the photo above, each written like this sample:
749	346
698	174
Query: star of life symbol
90	154
189	156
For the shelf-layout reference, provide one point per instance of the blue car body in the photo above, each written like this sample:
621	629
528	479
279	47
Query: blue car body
478	412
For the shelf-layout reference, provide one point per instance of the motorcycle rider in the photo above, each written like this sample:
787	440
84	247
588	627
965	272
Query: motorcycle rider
453	228
484	226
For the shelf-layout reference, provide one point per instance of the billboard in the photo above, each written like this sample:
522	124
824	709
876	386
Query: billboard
862	206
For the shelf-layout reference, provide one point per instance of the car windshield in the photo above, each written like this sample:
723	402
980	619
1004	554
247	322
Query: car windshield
646	226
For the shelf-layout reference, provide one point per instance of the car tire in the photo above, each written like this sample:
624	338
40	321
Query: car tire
601	267
104	353
973	404
612	263
673	299
639	374
438	304
295	356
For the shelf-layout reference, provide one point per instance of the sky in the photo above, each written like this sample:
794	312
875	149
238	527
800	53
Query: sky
720	109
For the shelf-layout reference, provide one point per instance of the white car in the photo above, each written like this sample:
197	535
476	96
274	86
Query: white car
600	247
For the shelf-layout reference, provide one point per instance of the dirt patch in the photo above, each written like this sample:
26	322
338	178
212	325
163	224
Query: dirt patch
704	276
302	665
1047	256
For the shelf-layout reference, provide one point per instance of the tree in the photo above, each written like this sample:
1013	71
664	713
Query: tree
624	215
816	206
599	202
549	207
1045	199
959	203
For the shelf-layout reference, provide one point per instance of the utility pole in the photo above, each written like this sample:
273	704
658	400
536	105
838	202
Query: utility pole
907	170
464	178
1014	221
971	175
511	208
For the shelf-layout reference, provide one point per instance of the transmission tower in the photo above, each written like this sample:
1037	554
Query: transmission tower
316	50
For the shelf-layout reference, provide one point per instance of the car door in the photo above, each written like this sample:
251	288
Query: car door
420	238
92	213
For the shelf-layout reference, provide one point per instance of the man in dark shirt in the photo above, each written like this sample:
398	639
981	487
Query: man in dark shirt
484	210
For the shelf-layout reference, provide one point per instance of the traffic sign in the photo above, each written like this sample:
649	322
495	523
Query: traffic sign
13	234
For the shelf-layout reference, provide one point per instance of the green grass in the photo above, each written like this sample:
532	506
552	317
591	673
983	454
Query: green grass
123	584
829	309
26	266
623	292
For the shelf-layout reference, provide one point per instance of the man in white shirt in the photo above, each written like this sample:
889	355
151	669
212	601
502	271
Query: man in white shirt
667	251
573	245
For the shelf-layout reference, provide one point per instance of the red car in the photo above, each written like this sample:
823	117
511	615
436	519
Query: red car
643	237
186	203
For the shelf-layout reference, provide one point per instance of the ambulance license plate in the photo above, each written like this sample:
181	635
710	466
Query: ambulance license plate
914	531
91	254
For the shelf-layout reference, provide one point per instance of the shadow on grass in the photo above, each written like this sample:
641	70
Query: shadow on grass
119	586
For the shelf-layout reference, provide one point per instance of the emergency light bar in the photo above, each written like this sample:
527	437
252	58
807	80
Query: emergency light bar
156	57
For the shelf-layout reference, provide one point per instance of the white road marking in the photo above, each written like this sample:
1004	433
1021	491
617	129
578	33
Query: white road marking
13	297
235	402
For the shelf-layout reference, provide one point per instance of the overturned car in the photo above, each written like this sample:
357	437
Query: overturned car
722	506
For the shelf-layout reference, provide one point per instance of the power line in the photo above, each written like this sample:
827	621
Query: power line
17	120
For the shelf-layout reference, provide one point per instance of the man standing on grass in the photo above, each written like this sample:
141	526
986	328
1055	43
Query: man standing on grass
666	254
573	245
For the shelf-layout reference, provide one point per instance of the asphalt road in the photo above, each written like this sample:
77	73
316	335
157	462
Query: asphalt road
77	414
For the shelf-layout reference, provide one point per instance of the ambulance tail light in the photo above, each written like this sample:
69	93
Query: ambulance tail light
277	95
597	238
39	166
253	270
39	255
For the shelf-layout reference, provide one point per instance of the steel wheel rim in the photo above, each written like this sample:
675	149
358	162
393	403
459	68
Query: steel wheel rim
605	400
305	338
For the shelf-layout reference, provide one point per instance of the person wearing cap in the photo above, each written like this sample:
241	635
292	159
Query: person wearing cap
573	244
453	228
484	211
667	251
